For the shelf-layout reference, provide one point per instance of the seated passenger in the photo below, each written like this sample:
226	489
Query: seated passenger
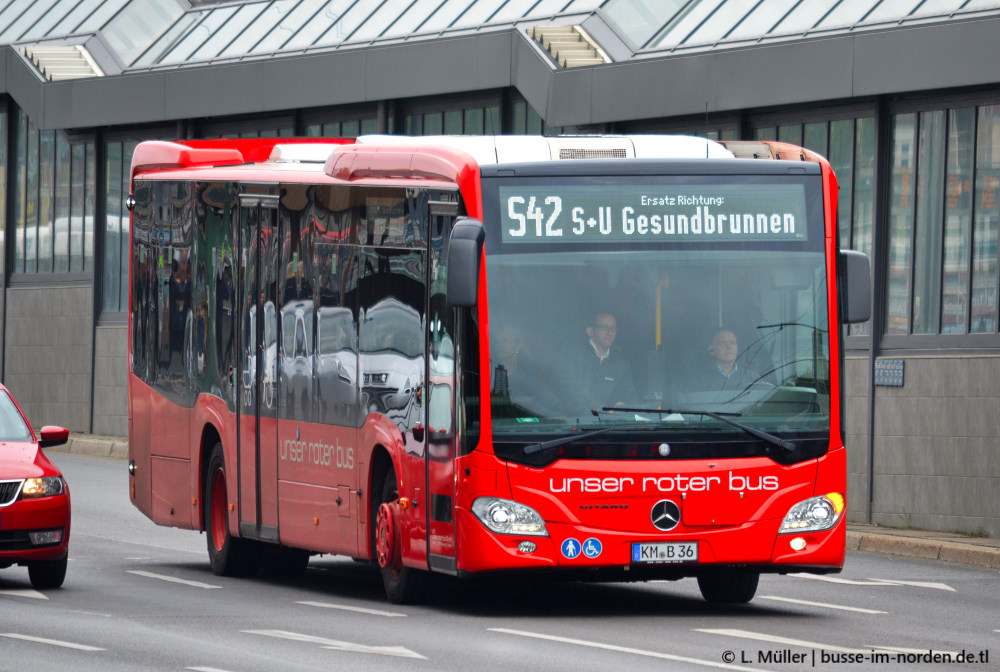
519	382
723	371
596	375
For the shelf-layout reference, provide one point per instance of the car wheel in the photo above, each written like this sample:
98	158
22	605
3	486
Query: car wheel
228	555
47	574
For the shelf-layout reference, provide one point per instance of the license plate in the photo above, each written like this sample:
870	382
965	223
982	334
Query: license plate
675	552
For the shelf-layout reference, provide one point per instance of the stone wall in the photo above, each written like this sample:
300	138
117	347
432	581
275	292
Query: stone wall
48	359
936	445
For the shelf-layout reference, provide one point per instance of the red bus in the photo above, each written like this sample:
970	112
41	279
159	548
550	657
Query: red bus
611	358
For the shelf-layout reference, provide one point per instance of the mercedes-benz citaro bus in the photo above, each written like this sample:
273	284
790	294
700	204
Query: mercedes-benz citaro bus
600	357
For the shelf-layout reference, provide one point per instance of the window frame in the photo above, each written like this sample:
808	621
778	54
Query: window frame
940	343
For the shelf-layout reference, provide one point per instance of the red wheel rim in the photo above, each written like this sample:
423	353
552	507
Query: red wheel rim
218	530
385	536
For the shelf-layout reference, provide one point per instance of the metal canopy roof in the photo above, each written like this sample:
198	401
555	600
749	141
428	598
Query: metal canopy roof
657	26
167	60
156	34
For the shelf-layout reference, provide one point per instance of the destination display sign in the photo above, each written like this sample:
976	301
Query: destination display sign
653	213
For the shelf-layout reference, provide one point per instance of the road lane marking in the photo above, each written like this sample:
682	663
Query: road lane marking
25	592
172	579
52	642
918	584
874	582
623	649
820	604
336	645
774	639
849	582
205	669
360	610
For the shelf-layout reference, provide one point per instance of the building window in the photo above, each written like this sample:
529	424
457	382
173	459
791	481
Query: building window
942	252
849	146
53	201
350	128
462	121
3	191
269	127
984	234
118	163
957	220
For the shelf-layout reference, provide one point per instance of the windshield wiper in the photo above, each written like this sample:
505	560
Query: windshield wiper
721	417
561	441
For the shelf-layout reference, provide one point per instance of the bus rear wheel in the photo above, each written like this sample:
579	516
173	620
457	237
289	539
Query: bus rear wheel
403	585
228	555
732	586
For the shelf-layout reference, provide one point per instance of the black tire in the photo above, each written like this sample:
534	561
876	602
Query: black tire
228	555
732	586
50	574
403	585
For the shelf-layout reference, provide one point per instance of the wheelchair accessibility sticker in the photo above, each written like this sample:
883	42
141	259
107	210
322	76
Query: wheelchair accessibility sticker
592	548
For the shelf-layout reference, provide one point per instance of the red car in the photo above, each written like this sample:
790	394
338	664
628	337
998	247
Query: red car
34	498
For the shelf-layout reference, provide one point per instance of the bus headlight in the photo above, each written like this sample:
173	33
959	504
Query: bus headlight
42	487
503	516
814	514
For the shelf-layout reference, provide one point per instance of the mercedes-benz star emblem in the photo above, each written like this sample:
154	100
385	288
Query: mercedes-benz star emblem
665	515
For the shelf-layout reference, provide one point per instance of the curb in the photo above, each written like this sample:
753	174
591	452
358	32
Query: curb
958	552
97	446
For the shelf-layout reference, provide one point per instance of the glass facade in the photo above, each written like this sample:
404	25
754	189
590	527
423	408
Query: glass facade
943	222
477	120
942	226
118	162
849	146
53	201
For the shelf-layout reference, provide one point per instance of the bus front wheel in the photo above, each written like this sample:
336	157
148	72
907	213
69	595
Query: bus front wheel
403	585
228	555
731	586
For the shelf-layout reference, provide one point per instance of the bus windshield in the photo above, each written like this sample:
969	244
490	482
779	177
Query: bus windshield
656	303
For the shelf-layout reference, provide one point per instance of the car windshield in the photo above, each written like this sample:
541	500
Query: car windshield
615	331
12	425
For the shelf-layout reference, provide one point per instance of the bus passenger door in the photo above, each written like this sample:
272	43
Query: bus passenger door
440	396
258	373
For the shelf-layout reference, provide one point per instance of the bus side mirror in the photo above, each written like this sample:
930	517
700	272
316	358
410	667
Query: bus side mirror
856	284
464	251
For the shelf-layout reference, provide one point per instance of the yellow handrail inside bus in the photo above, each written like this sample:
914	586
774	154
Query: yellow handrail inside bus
663	284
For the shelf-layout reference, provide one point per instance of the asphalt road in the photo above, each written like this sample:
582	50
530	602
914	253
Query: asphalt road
141	597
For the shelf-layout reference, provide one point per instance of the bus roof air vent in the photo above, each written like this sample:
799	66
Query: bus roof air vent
596	153
586	147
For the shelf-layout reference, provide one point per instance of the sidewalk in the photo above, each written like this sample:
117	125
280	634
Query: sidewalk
943	546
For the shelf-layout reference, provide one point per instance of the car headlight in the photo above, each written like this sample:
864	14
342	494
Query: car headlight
503	516
43	487
814	514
